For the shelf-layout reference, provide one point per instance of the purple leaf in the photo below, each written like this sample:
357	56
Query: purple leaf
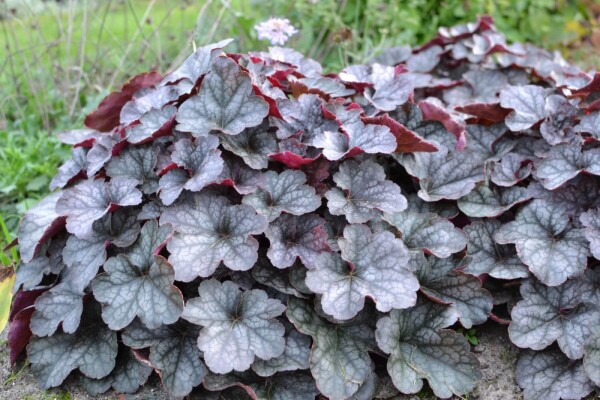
200	159
362	192
528	105
373	265
39	223
553	249
548	314
292	236
232	344
285	192
210	230
90	200
224	103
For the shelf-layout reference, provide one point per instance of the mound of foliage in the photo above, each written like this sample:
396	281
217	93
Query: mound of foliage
246	226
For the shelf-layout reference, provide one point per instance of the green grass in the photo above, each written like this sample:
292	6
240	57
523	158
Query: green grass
28	161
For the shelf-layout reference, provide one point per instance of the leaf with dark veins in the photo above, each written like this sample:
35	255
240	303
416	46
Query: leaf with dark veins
591	358
591	221
488	142
303	117
427	231
294	237
127	290
197	64
152	99
237	175
225	102
253	145
363	192
84	257
90	200
548	314
487	257
136	163
442	282
284	192
557	127
295	356
61	305
565	162
202	163
92	349
237	325
355	138
129	374
339	359
546	242
209	230
101	152
489	201
528	105
443	174
173	351
170	185
549	375
512	169
153	124
391	92
590	123
373	265
279	279
421	349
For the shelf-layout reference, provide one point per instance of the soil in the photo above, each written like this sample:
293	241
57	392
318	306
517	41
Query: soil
497	357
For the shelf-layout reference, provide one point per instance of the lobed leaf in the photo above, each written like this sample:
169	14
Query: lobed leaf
237	325
362	192
551	248
373	265
209	230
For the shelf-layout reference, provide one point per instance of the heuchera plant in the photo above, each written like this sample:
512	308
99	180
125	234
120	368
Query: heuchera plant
247	226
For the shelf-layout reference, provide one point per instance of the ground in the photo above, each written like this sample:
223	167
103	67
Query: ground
496	355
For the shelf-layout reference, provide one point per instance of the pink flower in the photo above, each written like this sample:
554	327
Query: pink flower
275	30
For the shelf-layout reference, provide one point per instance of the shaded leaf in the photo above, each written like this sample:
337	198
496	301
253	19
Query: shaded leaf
92	349
528	105
294	237
488	201
90	200
442	282
487	257
427	231
339	360
173	351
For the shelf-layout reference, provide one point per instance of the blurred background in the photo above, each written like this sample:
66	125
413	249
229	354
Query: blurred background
58	58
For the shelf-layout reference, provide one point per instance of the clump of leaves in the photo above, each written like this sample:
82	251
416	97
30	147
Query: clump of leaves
249	226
